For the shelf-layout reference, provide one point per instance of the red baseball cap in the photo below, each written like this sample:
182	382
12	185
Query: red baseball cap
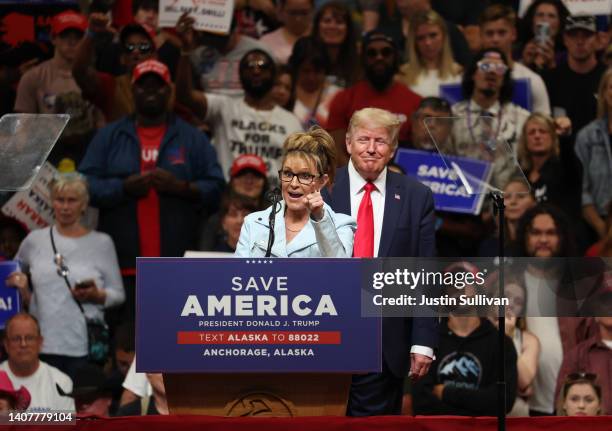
248	161
151	66
68	20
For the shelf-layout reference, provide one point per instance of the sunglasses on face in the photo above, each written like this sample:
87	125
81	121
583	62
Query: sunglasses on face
143	48
372	53
497	68
261	64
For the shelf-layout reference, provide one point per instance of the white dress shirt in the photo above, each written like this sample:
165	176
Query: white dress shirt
356	187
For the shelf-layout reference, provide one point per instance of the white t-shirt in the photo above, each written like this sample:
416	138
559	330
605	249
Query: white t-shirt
429	81
42	388
137	382
219	73
539	94
540	291
240	129
278	44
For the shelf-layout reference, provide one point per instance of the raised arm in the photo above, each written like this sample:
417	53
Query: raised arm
185	93
82	71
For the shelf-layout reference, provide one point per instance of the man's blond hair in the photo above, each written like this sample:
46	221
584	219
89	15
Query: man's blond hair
375	118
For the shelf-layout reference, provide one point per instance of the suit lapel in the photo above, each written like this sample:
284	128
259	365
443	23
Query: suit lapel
341	193
394	199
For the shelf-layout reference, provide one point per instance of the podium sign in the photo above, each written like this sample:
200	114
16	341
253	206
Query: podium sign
253	315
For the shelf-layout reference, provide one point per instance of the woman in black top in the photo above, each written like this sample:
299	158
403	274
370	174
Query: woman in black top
550	164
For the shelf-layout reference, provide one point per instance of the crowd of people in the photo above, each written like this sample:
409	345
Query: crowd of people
177	135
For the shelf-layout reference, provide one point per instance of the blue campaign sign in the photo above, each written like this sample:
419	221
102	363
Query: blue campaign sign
9	296
521	93
253	315
449	193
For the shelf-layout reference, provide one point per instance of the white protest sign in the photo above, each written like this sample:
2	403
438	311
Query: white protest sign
589	7
577	7
34	208
214	16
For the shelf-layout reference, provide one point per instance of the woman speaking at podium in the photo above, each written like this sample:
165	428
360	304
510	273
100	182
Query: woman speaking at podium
302	224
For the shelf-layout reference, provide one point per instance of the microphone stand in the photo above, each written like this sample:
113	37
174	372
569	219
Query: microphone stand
499	209
275	196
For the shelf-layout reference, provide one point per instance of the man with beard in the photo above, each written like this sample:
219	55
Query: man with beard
150	174
489	124
544	234
252	125
380	61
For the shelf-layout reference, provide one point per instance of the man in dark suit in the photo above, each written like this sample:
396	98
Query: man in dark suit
395	218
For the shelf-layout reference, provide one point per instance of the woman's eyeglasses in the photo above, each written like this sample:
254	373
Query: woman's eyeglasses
143	48
303	178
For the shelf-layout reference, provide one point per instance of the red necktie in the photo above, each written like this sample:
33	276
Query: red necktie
364	237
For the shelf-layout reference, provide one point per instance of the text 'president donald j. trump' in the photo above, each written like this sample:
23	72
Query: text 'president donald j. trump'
395	218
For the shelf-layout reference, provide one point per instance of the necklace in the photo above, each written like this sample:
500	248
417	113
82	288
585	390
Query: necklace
292	230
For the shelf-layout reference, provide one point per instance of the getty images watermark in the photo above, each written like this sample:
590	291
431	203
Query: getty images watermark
533	287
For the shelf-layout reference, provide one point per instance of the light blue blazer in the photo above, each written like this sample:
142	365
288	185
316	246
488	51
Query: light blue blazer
331	237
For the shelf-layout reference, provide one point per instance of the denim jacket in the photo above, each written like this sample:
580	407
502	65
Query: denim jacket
332	236
593	150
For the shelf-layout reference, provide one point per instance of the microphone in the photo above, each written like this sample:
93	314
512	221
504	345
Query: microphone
273	195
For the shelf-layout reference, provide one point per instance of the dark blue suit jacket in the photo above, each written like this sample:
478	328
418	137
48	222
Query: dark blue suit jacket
408	230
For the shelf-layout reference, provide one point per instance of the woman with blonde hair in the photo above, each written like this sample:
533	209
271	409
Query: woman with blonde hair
550	164
304	226
430	58
69	275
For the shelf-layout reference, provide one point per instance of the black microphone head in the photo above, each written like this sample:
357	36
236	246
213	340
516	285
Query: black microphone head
274	195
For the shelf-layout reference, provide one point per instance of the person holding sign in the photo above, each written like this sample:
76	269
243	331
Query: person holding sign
304	226
253	125
395	217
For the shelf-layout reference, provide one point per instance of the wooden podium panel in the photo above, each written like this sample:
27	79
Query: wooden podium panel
264	395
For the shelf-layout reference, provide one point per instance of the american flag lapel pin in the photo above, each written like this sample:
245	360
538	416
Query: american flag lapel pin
397	197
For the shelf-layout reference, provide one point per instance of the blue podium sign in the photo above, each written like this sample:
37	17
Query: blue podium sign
253	315
9	296
449	193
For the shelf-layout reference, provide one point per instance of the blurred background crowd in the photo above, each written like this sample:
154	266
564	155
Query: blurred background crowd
176	135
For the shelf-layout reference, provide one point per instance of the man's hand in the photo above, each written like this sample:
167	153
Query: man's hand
437	391
529	52
100	23
419	365
185	31
138	185
89	293
314	203
563	126
545	56
165	182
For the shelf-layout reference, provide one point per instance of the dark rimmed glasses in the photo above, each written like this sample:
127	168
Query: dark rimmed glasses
303	178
